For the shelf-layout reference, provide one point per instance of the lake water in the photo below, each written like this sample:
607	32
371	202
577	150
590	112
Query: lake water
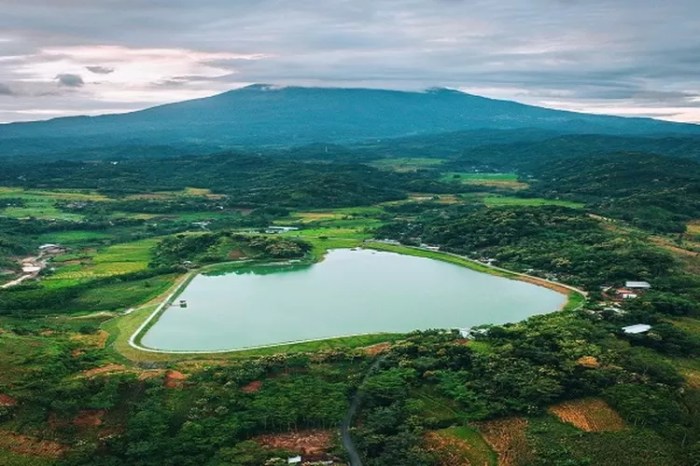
350	292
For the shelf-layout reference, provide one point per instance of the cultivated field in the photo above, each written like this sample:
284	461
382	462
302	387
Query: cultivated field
460	446
589	414
508	439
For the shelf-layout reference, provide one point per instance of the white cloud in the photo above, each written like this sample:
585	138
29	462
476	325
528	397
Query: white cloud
581	54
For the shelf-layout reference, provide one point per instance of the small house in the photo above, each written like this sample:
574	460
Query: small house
279	229
636	329
294	460
636	285
626	293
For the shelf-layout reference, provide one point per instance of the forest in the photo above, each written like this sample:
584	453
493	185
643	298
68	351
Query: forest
73	392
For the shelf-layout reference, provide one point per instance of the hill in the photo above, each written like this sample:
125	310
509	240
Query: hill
267	116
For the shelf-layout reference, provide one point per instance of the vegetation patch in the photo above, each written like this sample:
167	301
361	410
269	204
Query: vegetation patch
507	438
406	165
497	201
104	370
97	339
589	414
89	418
32	446
492	180
7	400
304	442
460	446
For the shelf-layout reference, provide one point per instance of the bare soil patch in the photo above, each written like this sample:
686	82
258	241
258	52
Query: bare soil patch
108	369
97	339
692	378
454	451
174	379
236	254
507	438
589	415
25	445
89	418
590	362
374	350
252	387
305	442
7	400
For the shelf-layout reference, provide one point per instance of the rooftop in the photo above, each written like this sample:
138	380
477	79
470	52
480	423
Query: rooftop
637	328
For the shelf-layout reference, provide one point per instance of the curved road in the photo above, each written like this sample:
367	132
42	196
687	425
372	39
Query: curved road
345	426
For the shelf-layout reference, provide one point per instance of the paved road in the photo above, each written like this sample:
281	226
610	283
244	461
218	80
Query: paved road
345	426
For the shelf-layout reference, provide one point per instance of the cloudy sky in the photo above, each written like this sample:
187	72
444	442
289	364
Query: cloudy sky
627	57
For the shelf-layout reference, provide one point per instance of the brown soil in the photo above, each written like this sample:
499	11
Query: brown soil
7	400
174	379
98	339
236	254
25	445
305	442
89	418
544	283
252	387
108	369
588	361
451	451
374	350
692	378
150	374
507	438
589	415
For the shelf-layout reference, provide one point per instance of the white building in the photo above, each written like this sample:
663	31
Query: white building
637	328
637	285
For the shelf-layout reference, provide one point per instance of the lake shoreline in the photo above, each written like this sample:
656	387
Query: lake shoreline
135	341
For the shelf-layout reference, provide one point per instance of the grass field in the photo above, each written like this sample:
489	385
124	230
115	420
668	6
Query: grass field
73	237
109	261
496	201
406	164
168	195
41	204
493	180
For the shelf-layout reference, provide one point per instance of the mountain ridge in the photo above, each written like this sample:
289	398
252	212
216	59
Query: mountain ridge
267	115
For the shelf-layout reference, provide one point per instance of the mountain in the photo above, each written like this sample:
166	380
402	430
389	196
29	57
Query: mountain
267	116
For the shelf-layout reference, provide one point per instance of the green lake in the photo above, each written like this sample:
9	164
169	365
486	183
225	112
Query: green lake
350	292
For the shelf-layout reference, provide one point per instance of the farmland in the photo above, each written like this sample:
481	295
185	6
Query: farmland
590	415
533	391
494	180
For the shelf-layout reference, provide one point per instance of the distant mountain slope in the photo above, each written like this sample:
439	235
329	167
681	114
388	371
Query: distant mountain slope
262	115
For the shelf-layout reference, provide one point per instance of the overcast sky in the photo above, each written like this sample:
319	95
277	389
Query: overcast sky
626	57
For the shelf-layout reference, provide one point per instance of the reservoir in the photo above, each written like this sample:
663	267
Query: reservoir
350	292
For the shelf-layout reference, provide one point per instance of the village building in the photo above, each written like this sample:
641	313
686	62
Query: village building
636	329
50	248
279	229
637	285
